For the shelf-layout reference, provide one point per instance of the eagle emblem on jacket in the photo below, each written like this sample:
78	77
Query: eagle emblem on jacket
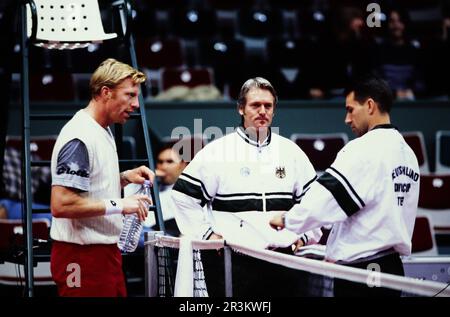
280	172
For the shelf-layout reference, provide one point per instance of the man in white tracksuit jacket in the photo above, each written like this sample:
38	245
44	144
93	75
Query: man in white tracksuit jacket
370	193
245	178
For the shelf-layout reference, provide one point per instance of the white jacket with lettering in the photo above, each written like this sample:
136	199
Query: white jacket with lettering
370	193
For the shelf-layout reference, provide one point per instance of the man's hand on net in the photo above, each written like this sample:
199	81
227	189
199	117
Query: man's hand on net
297	245
215	236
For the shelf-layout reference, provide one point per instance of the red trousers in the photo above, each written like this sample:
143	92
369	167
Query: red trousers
87	270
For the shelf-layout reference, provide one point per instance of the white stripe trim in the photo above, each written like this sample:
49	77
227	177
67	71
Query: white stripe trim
190	180
199	184
347	188
254	197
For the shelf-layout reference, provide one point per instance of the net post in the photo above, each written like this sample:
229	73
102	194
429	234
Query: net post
228	272
151	265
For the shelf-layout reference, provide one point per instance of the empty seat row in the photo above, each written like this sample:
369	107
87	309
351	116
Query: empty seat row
416	141
42	146
59	86
194	21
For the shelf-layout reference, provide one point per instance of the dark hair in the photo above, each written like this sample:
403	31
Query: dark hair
404	18
402	13
192	145
257	82
374	87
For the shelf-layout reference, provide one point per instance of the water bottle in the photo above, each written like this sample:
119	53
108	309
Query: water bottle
132	226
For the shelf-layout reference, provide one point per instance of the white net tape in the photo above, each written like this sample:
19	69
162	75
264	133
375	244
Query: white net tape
406	284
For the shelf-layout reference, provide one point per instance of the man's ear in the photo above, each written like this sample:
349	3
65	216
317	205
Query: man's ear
241	110
105	92
371	106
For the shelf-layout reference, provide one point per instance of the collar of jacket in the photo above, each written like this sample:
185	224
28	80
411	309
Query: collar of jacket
241	132
384	126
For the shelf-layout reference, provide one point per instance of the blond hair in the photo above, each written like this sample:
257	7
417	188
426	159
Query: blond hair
111	73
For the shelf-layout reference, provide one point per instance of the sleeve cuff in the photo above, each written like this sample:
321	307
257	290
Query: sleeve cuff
208	234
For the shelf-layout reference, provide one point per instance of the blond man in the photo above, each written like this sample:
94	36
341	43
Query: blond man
86	201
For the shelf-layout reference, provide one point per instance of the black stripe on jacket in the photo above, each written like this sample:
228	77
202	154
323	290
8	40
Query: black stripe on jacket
190	189
343	198
240	205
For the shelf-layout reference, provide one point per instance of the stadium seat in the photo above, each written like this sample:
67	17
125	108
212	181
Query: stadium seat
229	4
190	77
42	146
320	148
260	22
423	239
86	60
416	141
82	28
286	4
52	86
193	23
155	53
226	56
434	200
145	22
313	24
41	59
442	151
12	233
160	4
285	52
12	252
434	191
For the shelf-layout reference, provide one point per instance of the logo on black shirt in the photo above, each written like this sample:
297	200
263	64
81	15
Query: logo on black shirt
67	170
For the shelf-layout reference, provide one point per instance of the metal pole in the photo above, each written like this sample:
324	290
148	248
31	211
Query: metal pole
26	165
228	272
148	146
151	265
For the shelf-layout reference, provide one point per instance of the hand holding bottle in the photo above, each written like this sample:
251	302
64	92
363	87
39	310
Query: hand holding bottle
138	204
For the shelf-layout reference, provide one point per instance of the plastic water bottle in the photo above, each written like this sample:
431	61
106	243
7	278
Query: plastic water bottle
132	226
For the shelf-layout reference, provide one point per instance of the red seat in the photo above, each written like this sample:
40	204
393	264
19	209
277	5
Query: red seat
190	77
259	22
434	191
52	86
416	141
155	53
193	23
321	149
12	233
423	236
42	146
